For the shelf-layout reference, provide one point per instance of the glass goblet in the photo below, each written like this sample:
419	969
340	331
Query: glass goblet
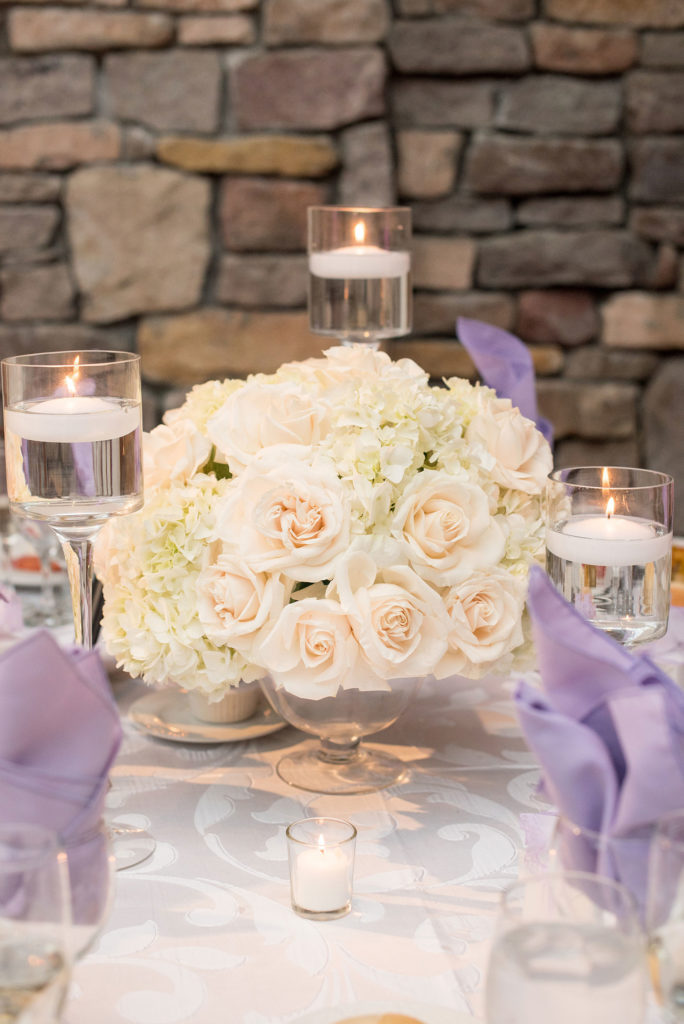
359	273
35	954
609	547
73	430
665	913
568	947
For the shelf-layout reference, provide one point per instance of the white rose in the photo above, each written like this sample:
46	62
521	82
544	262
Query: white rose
522	456
287	516
311	650
446	529
173	453
234	603
485	614
260	415
398	619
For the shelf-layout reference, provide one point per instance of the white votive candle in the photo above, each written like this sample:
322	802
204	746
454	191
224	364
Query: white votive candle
357	262
608	540
321	856
73	419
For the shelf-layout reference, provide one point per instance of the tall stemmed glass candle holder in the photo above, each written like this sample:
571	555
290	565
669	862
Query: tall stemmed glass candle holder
359	273
609	547
73	431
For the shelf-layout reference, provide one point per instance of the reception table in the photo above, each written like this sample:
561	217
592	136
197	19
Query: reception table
202	932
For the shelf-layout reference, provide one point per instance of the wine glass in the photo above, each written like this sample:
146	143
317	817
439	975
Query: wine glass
91	865
359	273
665	913
609	547
568	947
35	957
73	429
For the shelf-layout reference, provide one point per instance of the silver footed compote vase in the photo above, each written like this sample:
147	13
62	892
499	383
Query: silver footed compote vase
340	762
359	273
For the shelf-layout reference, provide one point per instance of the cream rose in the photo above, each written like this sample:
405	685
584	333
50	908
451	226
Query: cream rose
261	415
398	619
311	650
287	516
485	615
234	603
522	456
173	453
446	529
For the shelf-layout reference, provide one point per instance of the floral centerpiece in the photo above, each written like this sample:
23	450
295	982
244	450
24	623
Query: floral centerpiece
338	523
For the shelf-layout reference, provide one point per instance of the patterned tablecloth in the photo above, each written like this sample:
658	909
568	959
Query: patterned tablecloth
202	932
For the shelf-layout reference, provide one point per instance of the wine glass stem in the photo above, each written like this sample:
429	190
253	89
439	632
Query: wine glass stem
79	562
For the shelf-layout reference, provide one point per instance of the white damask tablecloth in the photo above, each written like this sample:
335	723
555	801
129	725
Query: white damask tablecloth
202	932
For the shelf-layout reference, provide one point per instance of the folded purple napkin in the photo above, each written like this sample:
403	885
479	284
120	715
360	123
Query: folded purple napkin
608	731
59	734
505	364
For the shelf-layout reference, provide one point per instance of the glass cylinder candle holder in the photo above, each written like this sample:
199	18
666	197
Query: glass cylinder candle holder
359	273
609	547
321	858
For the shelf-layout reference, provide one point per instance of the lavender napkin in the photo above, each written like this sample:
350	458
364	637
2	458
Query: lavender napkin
608	731
59	734
505	364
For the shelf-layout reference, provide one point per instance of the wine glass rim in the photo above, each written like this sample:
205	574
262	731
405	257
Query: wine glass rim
658	478
362	209
572	877
88	357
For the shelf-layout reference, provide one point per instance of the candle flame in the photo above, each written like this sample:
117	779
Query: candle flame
360	232
610	507
321	844
70	379
605	478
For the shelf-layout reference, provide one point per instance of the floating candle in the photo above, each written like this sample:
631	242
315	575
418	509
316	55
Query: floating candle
608	540
73	419
356	262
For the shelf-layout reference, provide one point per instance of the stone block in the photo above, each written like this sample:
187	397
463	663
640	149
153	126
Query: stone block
214	30
431	103
254	281
22	339
637	13
58	28
561	316
574	452
559	105
436	313
654	101
439	357
29	188
42	292
594	362
27	227
140	239
58	145
506	10
662	49
583	51
571	212
661	415
598	259
137	143
367	173
657	170
172	90
442	264
464	214
457	46
331	22
201	6
595	412
46	87
309	89
658	223
263	214
427	162
182	350
282	155
507	165
665	270
641	320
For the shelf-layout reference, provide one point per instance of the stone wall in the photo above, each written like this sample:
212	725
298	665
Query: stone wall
157	158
